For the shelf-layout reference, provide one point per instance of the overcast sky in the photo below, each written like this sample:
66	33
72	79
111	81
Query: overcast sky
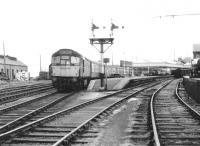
33	27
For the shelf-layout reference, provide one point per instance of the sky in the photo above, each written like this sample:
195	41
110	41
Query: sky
30	28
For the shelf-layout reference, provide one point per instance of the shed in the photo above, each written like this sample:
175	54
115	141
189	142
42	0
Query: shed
12	65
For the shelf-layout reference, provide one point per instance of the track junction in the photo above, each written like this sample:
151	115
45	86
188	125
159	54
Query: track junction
148	113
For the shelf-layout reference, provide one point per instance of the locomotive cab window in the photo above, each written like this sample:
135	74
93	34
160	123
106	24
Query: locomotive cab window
75	60
65	62
55	60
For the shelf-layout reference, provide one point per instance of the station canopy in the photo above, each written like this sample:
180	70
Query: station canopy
161	64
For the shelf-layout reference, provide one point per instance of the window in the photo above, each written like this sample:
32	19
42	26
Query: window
65	60
13	74
75	60
55	60
83	66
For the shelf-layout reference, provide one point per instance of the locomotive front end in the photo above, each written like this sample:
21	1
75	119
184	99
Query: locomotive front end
68	66
65	69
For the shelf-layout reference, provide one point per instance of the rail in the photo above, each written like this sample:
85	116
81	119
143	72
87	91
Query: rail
153	120
28	126
15	123
196	113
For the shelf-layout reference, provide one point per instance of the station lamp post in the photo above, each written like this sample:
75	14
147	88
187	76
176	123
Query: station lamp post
106	60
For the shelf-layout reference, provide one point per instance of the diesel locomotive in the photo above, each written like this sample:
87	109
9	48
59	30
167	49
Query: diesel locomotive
69	70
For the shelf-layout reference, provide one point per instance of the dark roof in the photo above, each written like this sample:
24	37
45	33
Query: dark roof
66	52
11	60
9	57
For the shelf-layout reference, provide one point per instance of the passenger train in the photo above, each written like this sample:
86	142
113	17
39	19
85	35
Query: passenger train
180	72
69	70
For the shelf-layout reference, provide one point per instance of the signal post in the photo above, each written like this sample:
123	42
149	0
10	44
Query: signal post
102	42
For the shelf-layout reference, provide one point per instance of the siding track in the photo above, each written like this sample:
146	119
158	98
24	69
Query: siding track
168	121
29	111
15	93
138	132
175	123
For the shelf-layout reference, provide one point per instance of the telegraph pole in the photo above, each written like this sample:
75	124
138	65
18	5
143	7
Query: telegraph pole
40	64
4	58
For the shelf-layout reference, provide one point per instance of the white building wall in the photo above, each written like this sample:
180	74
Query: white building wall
12	69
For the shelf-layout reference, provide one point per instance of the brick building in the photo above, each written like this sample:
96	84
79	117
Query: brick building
13	65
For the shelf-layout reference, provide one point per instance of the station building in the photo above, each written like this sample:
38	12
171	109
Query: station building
13	66
150	68
157	68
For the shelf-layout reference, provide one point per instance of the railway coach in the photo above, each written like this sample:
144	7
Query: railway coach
69	70
180	72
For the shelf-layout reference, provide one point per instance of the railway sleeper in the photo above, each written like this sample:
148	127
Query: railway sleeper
34	140
179	136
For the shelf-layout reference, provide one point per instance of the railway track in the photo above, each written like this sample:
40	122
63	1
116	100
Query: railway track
174	122
28	111
139	131
190	101
9	90
168	120
10	94
54	128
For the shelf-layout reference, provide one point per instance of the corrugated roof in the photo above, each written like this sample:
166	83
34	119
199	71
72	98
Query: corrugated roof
11	60
196	48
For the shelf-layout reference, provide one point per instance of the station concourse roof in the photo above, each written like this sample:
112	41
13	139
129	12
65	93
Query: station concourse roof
161	64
